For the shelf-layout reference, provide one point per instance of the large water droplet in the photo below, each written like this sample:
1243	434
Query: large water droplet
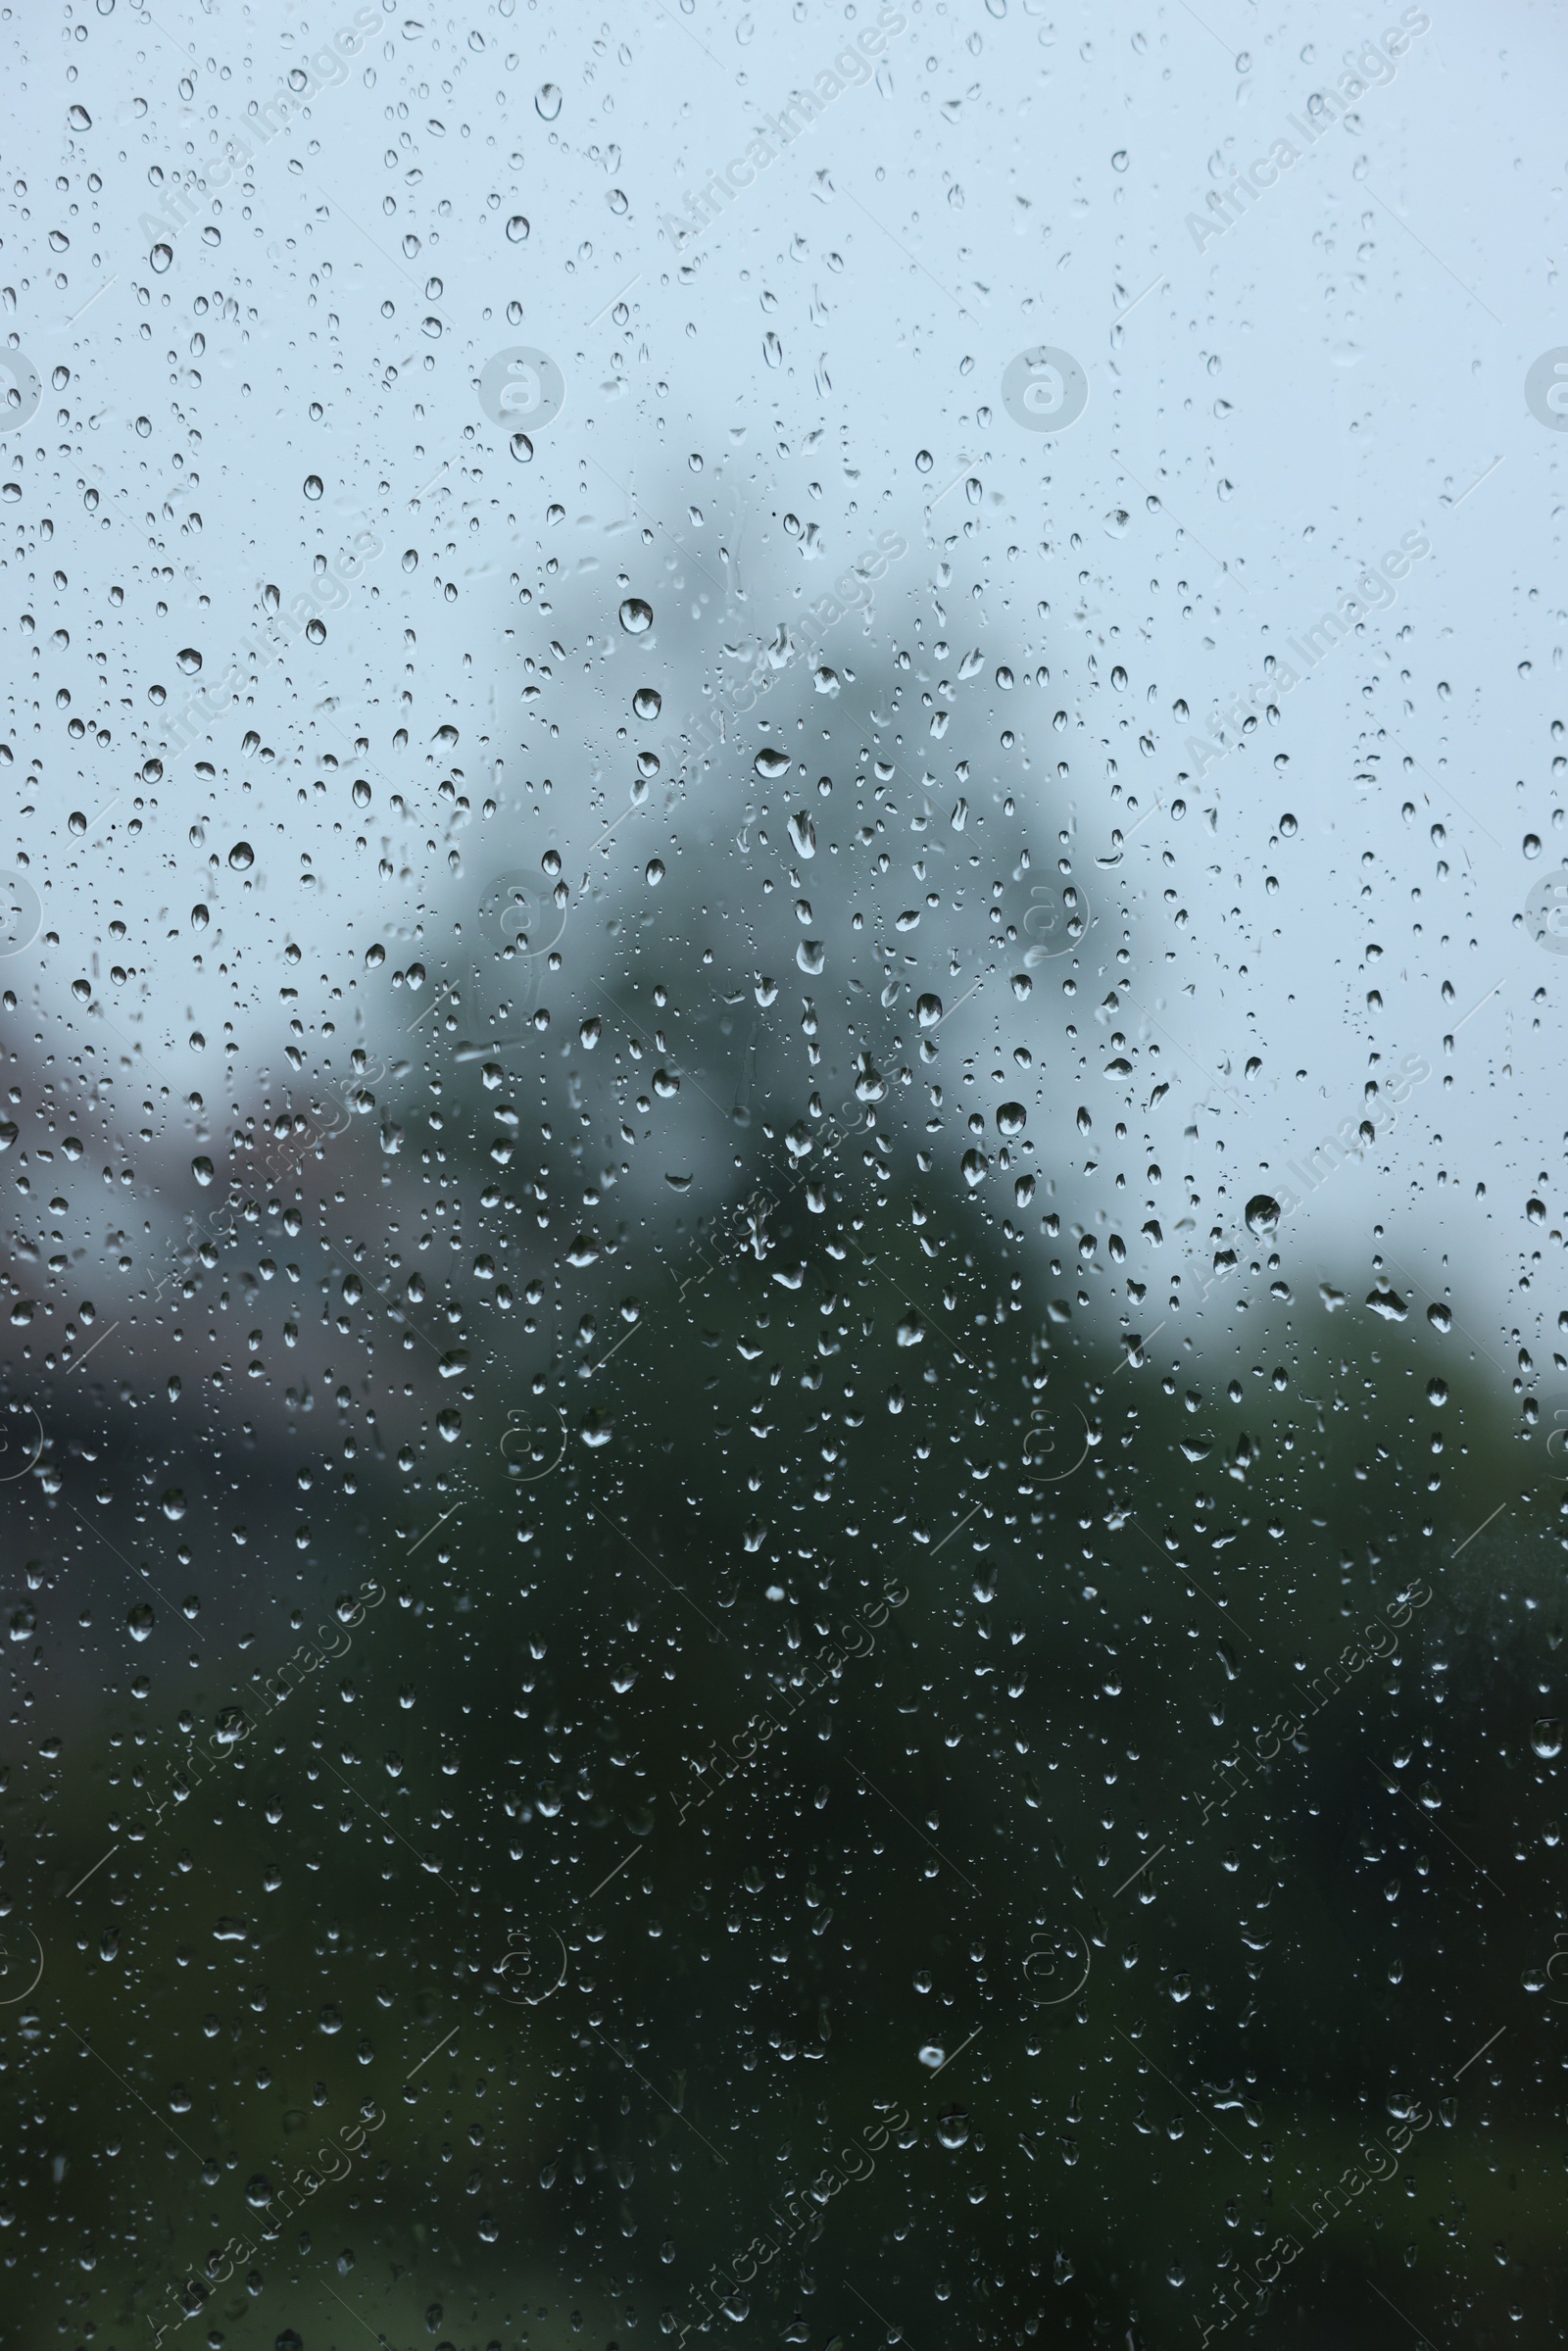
636	616
243	856
517	229
547	102
1262	1214
647	703
769	762
1545	1737
953	2127
141	1621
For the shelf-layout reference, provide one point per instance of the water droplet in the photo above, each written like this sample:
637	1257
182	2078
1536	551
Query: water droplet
1437	1391
636	616
141	1621
189	659
449	1423
953	2127
517	229
313	486
911	1331
811	957
161	257
1440	1316
79	119
1532	845
172	1505
1118	162
1545	1737
78	822
923	460
1262	1214
771	763
199	918
928	1010
1388	1304
975	1164
773	348
547	102
521	449
647	703
1011	1118
1288	826
201	1169
243	856
654	872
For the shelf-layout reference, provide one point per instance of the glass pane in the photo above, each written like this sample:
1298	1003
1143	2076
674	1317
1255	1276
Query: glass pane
782	966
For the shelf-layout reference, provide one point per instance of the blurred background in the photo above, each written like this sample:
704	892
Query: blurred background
783	1404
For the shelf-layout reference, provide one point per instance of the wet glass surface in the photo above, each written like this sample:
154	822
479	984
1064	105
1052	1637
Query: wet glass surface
781	972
